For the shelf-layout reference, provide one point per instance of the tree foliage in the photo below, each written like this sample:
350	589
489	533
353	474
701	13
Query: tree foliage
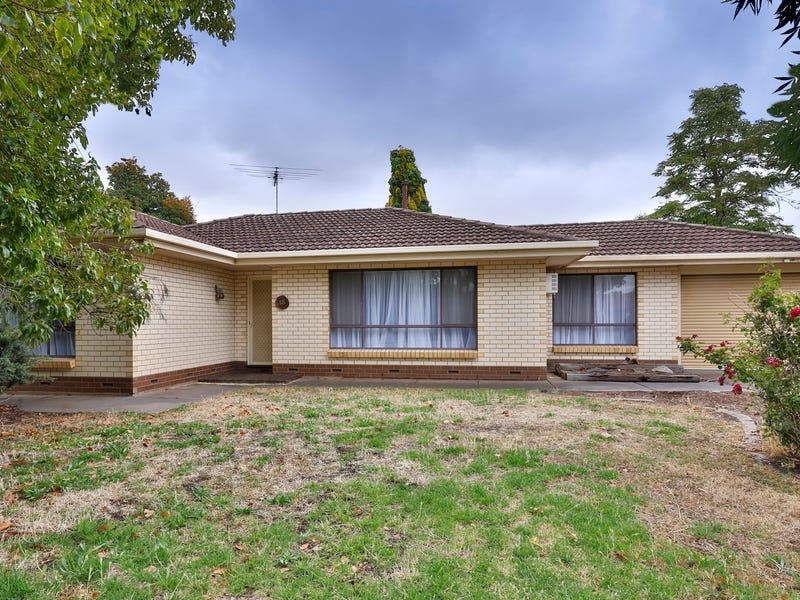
722	168
60	62
149	193
16	360
768	358
405	170
787	138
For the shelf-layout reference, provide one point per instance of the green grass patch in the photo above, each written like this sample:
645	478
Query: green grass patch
378	494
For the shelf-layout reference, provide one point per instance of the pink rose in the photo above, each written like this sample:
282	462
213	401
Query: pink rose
795	312
737	388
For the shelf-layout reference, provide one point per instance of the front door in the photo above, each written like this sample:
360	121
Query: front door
260	330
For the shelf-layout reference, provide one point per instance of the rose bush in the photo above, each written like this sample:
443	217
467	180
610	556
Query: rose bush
768	358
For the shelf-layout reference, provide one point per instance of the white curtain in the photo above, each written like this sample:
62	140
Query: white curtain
595	310
402	298
61	342
459	308
403	309
345	309
572	310
614	303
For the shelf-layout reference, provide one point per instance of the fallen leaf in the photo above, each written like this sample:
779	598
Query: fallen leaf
148	513
218	571
285	569
150	569
6	525
344	560
238	547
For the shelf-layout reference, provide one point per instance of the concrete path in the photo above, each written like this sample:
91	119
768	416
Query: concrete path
147	402
169	398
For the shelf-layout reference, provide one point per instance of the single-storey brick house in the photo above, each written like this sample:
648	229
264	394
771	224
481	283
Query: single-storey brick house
396	293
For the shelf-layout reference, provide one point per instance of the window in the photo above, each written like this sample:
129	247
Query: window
595	310
61	342
414	308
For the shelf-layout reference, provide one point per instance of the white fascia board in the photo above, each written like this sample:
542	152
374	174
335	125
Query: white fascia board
460	252
721	258
182	246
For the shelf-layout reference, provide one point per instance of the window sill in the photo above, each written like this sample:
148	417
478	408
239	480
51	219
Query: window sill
582	349
401	354
55	364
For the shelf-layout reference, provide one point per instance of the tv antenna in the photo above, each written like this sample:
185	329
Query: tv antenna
276	174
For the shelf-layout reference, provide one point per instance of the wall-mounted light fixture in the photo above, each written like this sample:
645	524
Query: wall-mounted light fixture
282	302
219	293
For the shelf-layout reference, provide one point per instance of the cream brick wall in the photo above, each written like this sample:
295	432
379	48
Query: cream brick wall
658	314
97	353
513	315
187	326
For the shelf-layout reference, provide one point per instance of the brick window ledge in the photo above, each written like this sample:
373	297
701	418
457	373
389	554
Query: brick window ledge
583	349
402	354
55	364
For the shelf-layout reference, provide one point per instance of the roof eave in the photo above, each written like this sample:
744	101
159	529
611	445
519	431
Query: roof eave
174	245
719	258
561	253
556	254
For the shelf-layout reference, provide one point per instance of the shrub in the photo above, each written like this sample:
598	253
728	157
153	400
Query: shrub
16	360
768	358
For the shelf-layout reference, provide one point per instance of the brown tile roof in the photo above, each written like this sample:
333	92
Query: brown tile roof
357	228
669	237
141	219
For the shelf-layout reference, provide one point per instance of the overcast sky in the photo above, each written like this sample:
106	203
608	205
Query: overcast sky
517	111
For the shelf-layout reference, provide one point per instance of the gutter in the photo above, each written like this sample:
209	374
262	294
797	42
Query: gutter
718	258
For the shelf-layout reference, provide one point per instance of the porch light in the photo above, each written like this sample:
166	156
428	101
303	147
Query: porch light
219	293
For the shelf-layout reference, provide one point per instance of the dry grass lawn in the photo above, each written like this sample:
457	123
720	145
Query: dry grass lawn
312	492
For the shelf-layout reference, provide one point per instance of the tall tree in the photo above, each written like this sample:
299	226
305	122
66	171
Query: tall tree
722	169
787	135
149	193
405	171
60	62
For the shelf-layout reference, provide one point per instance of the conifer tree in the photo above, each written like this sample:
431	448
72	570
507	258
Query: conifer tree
722	168
405	170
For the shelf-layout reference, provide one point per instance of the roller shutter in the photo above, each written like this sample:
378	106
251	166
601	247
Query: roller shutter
705	298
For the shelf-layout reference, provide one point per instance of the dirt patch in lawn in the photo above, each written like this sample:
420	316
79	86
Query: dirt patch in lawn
744	403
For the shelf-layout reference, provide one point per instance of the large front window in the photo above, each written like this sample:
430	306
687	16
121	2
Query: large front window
414	308
595	310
